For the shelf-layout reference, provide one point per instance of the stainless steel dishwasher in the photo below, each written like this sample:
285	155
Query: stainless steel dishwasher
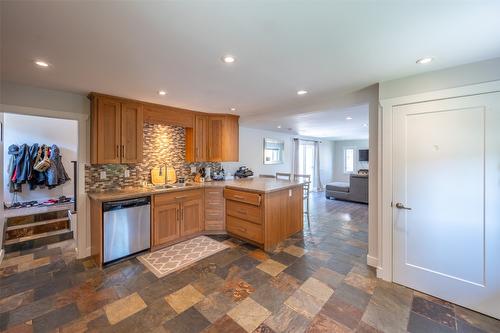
126	228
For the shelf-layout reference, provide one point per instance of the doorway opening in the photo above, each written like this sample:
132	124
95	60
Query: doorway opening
39	178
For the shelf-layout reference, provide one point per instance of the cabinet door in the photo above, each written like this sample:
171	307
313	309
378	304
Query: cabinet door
108	131
165	223
201	138
231	140
192	216
131	133
215	132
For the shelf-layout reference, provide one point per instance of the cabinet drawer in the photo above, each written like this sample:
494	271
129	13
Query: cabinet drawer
217	225
244	211
242	196
214	197
214	214
248	230
177	196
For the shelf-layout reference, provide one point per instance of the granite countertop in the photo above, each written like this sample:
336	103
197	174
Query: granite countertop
256	185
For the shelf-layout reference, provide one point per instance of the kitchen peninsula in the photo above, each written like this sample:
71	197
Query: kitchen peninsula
261	211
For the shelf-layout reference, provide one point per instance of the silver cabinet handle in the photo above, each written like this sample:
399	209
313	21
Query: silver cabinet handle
399	205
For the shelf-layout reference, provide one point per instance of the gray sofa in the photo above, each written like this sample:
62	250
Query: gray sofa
356	190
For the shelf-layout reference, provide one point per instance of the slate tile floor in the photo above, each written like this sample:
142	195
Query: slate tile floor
316	282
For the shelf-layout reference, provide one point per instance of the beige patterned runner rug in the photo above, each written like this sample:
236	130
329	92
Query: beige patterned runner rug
175	257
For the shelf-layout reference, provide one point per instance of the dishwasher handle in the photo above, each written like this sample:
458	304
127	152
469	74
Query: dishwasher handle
115	205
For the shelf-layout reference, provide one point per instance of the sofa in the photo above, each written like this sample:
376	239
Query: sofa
356	190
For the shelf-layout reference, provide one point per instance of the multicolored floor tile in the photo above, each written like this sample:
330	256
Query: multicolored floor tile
316	281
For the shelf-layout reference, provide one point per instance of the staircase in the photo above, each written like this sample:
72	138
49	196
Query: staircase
36	230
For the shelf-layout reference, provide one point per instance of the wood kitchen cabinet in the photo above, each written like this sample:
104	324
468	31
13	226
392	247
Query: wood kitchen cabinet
165	223
214	210
214	138
197	140
265	219
176	216
117	131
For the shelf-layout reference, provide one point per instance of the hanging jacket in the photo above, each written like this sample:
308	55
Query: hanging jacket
22	165
35	177
56	175
13	151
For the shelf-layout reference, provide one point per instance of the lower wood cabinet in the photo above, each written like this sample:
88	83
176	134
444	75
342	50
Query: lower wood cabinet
177	216
214	210
165	223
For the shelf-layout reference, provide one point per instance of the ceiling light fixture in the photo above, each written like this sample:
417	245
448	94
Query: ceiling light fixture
279	126
41	63
162	92
424	61
228	59
232	109
365	125
348	118
301	92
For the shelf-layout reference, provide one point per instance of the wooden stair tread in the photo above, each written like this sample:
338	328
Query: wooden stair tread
37	236
34	224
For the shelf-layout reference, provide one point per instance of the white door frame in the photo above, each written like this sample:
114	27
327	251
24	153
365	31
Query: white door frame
385	157
83	223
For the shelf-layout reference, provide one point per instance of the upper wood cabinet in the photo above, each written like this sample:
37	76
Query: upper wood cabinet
197	140
117	131
214	138
162	114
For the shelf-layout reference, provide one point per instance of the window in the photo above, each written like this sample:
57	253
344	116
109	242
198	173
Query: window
348	160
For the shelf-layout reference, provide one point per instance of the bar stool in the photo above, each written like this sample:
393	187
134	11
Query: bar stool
307	187
283	175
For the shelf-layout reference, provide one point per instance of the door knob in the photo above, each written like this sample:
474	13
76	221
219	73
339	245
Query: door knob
399	205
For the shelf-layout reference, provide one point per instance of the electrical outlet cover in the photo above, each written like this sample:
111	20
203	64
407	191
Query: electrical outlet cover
127	173
103	175
193	169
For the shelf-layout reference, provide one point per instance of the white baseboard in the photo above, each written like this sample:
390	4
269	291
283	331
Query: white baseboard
2	251
372	261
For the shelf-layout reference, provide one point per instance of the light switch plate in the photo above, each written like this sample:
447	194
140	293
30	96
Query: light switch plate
102	175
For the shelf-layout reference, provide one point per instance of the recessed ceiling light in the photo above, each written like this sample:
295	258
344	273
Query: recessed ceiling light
228	59
365	125
162	92
348	118
301	92
41	63
279	126
232	109
424	61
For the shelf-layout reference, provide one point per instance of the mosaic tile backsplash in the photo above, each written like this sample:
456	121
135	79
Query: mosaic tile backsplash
164	145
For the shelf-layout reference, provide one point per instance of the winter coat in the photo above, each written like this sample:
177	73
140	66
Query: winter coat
56	175
13	151
22	165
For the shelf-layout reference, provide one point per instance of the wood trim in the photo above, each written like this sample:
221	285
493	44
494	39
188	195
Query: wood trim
96	242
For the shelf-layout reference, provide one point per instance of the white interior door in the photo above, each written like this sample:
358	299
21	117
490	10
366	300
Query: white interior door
447	170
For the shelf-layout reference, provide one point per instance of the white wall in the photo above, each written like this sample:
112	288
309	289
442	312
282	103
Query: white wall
20	129
338	165
251	154
478	72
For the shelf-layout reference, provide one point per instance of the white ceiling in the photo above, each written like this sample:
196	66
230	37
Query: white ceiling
331	125
133	49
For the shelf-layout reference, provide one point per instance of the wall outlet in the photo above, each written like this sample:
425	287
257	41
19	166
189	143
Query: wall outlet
193	169
127	173
102	175
289	193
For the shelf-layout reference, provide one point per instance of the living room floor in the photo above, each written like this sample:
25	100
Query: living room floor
317	281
